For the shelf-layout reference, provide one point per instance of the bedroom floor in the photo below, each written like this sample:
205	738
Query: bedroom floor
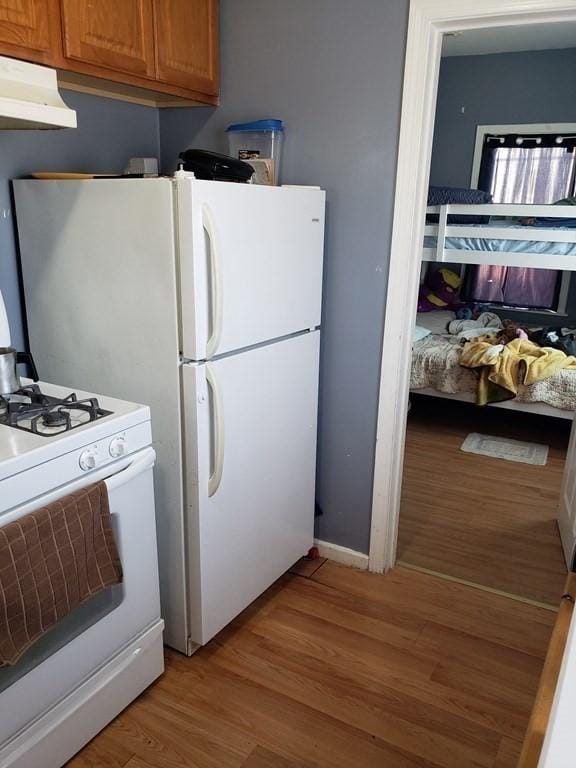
484	520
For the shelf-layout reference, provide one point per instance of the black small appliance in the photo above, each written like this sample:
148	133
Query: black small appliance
215	167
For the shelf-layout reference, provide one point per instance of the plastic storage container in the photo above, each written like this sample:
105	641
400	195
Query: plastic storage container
260	144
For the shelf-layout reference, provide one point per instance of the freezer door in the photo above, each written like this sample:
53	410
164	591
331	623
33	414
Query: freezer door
250	446
250	264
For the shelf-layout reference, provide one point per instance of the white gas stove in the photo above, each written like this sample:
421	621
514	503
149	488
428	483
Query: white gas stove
41	421
82	673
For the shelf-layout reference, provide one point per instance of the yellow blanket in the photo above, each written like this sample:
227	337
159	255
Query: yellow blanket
502	368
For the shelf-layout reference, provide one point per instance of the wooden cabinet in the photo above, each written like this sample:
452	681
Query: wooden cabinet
111	34
158	52
29	30
187	43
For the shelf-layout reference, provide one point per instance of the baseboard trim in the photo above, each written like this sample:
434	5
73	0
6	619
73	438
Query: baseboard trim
342	555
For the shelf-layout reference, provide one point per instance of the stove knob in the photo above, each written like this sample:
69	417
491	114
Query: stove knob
87	460
117	447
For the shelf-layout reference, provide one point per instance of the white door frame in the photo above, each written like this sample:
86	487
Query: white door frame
428	21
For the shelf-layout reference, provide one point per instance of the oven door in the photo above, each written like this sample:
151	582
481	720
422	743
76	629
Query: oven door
99	629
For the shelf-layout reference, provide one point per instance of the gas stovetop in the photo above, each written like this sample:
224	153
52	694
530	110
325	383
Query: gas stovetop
31	410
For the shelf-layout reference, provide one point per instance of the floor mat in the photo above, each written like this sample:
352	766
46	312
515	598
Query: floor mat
503	448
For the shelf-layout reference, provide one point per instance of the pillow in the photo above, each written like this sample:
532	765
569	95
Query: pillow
458	195
436	321
419	333
461	196
551	222
458	218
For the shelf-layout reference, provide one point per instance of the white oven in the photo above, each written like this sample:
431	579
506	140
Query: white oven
77	677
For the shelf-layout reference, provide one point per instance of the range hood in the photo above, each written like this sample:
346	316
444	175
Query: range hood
29	98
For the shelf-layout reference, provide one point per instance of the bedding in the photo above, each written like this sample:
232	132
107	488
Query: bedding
458	196
436	364
435	321
487	325
496	245
552	221
503	367
419	333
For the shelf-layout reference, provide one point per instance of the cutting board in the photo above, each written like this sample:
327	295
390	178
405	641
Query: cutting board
62	175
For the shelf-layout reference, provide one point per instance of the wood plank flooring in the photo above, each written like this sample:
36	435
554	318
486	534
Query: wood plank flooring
485	520
344	669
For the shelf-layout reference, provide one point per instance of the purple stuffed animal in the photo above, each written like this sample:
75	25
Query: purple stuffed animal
440	291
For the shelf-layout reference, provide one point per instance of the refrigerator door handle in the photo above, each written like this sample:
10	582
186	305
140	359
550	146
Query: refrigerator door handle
217	431
215	282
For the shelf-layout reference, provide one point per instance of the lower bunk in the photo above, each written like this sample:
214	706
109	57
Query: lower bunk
437	372
541	409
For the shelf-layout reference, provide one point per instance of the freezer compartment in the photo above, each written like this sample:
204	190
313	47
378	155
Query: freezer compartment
250	261
250	450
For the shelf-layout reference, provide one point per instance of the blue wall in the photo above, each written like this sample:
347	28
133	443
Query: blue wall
527	87
109	132
332	69
505	88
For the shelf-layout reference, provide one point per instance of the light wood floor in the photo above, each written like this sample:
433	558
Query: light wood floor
485	520
344	669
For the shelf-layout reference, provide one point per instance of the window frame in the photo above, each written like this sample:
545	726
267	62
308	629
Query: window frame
481	132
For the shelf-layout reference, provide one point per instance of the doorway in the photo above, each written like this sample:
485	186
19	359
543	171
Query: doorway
429	21
480	519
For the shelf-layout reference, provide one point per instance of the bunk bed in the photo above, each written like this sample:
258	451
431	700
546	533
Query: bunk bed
504	238
536	236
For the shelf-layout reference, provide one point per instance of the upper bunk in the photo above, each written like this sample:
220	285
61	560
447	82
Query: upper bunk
537	236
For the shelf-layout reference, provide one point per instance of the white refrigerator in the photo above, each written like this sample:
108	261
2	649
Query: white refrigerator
201	299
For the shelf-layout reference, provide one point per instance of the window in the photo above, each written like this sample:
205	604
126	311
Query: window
516	287
524	168
530	174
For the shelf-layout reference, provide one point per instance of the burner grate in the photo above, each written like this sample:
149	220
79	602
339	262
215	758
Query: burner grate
32	410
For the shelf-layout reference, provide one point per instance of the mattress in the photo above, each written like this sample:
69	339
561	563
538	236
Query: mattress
498	245
436	364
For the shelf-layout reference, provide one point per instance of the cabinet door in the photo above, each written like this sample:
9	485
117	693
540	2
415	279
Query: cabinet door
29	29
187	43
110	34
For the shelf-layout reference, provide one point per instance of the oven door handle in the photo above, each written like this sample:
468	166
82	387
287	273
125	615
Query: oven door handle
144	461
124	471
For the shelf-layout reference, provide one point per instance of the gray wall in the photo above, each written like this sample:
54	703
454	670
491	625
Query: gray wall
527	87
108	133
332	69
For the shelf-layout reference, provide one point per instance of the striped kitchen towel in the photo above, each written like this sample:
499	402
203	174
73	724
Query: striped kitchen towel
51	561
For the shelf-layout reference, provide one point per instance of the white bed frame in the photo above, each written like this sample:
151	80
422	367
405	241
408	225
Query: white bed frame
442	230
542	409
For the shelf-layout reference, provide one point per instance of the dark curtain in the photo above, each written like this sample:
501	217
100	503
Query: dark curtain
525	172
515	286
486	167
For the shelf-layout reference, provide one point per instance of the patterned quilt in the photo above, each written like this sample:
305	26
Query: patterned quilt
435	364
